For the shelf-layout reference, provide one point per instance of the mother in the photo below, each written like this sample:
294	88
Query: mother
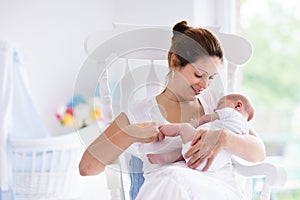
194	58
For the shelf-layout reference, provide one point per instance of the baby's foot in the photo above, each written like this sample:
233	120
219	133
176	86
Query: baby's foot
173	130
164	158
157	158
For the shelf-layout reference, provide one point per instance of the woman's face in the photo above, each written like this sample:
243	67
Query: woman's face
191	80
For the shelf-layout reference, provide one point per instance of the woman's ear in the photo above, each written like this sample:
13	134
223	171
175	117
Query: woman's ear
173	61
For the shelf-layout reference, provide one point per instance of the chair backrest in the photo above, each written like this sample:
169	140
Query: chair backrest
131	64
131	55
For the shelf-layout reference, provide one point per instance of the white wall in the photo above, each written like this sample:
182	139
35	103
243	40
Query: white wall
154	12
50	34
168	12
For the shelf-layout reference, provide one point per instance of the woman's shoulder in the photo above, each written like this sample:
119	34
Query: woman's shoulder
139	110
141	105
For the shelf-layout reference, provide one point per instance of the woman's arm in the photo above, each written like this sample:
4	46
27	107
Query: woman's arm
115	139
249	147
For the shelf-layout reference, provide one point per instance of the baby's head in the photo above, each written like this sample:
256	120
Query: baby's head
238	102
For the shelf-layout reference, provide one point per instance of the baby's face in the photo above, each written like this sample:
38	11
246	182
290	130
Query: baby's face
225	103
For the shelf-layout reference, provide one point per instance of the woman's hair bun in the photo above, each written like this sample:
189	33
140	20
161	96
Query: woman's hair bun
180	27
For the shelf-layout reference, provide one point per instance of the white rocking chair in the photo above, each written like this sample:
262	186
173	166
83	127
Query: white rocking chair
132	45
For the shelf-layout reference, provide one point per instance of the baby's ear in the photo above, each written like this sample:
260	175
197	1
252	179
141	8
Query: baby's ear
238	105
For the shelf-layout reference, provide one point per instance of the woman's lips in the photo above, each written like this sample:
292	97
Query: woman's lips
196	91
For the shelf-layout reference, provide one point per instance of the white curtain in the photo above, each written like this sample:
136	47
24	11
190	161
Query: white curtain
6	90
18	116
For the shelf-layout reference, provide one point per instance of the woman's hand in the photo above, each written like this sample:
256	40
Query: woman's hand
205	145
144	132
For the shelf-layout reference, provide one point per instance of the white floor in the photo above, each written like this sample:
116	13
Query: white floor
92	188
95	188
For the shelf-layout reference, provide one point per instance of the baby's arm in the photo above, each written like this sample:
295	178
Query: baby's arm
164	158
204	119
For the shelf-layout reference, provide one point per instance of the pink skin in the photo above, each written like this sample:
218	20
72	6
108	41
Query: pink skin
163	158
226	103
190	80
185	130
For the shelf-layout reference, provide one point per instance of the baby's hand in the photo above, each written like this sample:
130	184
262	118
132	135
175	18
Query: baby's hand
194	122
144	132
200	121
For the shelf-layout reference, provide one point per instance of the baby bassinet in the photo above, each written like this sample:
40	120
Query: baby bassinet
46	168
33	164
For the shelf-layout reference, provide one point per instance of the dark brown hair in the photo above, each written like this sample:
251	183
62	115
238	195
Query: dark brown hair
189	44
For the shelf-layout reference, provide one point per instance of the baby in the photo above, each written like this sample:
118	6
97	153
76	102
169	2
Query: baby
232	113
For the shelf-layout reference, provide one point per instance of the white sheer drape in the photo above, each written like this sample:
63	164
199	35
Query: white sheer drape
18	116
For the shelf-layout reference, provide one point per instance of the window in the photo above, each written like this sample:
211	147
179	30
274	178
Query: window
271	78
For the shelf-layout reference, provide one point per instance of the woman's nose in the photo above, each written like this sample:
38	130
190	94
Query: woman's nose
203	83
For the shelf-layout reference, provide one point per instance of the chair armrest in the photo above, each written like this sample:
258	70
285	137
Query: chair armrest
275	174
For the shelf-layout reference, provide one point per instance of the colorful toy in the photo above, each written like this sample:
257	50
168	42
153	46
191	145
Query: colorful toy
79	112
